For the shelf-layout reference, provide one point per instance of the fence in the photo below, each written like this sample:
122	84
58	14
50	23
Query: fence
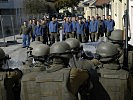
10	24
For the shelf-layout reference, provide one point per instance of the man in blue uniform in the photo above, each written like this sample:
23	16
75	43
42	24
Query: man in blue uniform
68	28
53	29
80	27
74	26
38	32
93	29
110	25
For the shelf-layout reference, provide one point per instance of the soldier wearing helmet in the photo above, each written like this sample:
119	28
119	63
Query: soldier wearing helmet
108	53
40	54
60	82
9	80
118	39
111	72
80	58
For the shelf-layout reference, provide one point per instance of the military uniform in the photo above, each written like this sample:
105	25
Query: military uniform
58	82
2	88
112	77
28	89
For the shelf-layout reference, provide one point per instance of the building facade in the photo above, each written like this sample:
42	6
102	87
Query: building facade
11	7
93	7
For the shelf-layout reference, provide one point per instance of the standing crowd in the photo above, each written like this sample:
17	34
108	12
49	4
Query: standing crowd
49	32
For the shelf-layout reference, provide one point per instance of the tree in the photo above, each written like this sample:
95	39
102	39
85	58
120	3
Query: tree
41	6
66	3
35	6
59	4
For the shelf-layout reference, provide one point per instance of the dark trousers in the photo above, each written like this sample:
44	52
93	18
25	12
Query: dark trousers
39	38
87	35
108	34
81	37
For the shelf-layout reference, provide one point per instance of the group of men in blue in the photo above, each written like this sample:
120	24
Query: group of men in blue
85	30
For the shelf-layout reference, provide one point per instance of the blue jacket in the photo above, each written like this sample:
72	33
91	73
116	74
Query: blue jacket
53	27
80	28
67	27
110	25
101	26
74	25
86	25
38	31
93	26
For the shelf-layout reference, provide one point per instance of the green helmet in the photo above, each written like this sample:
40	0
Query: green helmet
60	49
107	51
2	54
116	35
41	50
35	43
74	43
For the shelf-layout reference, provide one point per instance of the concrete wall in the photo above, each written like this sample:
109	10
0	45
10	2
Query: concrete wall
117	11
92	11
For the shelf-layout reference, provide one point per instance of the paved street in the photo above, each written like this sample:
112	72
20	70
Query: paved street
19	55
16	52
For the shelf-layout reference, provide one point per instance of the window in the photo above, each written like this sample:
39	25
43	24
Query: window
3	1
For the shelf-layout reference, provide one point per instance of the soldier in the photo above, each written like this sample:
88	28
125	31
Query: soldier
118	39
78	60
29	89
112	77
60	82
38	55
10	81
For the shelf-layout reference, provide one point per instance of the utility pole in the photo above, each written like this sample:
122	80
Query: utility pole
126	38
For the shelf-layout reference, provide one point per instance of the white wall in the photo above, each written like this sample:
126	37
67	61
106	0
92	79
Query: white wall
131	20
